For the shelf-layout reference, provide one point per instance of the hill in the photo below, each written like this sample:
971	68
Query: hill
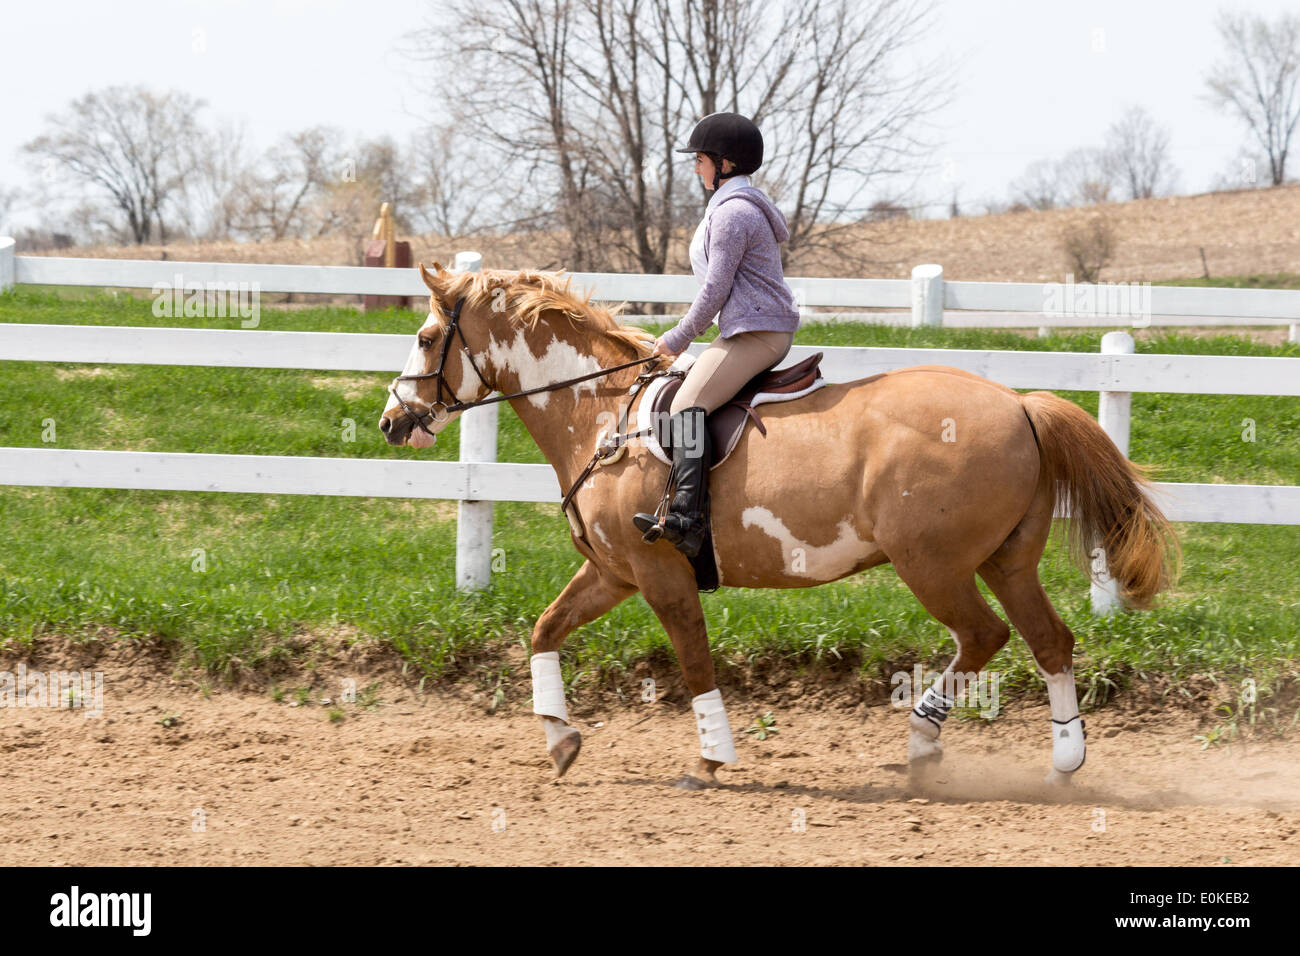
1244	232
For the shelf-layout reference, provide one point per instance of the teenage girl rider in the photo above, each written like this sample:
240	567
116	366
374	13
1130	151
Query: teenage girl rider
736	257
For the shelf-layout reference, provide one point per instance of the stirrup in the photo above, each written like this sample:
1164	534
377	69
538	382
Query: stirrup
650	526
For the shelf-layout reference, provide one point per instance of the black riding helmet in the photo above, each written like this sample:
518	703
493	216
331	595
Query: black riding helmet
727	136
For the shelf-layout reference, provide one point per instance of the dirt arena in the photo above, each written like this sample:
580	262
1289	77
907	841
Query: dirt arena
435	779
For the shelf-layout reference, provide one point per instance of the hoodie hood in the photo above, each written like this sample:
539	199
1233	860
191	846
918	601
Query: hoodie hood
759	198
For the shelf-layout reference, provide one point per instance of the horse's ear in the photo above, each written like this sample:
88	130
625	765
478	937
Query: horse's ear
431	279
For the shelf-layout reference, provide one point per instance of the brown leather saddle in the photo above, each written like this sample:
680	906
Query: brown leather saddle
727	423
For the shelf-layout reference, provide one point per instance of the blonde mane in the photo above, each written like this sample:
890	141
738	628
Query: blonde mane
530	294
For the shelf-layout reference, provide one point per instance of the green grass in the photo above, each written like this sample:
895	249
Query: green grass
279	567
1280	280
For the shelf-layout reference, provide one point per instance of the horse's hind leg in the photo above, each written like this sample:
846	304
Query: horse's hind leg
587	596
958	605
1052	644
1012	574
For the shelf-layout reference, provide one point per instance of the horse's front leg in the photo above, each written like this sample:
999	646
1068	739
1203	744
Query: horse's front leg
587	596
669	588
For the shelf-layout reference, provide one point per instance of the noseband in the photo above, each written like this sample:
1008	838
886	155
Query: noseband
453	328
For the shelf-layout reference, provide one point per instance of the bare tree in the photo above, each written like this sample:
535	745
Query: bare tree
275	200
219	163
1089	248
585	100
449	172
1259	82
1038	187
9	198
1085	177
132	145
1082	177
848	115
1240	172
1136	155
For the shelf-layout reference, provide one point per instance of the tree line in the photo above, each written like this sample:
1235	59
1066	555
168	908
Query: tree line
561	117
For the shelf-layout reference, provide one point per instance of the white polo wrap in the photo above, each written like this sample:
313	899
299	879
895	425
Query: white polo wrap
716	742
548	686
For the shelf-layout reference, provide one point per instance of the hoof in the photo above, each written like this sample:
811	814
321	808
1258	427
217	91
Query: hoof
925	766
691	782
1058	779
566	751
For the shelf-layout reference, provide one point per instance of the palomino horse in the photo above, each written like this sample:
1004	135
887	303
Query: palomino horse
942	473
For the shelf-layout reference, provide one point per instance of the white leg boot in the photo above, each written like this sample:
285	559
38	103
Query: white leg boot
1069	747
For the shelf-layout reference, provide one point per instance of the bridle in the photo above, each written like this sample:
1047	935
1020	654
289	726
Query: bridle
454	329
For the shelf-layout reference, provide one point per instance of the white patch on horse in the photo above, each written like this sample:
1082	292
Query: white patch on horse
600	533
560	361
414	366
472	387
818	561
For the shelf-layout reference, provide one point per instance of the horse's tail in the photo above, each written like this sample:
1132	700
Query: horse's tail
1105	495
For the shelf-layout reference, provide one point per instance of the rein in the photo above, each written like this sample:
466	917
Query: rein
456	404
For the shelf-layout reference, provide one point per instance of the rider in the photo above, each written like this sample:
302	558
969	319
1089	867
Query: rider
736	257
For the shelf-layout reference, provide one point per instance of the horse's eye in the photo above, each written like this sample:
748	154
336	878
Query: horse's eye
426	344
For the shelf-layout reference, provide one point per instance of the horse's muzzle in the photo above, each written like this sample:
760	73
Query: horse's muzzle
397	430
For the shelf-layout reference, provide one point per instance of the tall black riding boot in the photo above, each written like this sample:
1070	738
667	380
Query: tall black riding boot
686	522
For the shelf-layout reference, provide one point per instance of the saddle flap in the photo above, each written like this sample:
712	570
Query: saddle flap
792	378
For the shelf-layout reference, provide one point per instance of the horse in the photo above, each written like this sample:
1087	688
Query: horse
942	473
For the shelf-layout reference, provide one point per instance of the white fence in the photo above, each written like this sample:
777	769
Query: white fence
477	479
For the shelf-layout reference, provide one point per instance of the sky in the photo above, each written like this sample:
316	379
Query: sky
1032	79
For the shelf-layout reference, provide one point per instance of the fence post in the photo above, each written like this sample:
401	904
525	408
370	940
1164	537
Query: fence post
6	263
1114	414
1295	332
478	442
927	295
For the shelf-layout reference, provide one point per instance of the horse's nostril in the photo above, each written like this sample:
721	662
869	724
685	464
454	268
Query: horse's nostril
384	425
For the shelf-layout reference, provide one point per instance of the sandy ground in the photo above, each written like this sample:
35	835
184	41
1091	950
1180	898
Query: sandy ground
433	778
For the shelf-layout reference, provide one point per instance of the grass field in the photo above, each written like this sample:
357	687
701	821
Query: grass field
279	567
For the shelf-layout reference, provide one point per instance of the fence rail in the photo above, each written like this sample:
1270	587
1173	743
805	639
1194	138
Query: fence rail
477	479
473	481
354	351
927	295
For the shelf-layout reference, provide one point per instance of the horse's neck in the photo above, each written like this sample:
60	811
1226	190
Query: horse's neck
566	427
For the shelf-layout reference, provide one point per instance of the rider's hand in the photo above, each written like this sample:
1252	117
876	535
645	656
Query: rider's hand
662	349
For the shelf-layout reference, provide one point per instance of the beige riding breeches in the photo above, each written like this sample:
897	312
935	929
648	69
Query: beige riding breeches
726	365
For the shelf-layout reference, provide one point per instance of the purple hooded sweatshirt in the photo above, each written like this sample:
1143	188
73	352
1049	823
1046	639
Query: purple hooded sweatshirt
744	287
